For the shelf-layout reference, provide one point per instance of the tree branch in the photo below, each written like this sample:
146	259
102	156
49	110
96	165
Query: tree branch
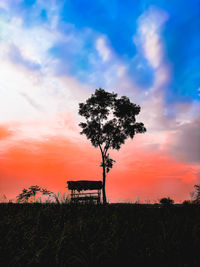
102	153
107	146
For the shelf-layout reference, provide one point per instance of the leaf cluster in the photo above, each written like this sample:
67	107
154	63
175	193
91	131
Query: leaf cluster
108	162
109	120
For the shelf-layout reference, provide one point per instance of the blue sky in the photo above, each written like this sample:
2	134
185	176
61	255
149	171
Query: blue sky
118	22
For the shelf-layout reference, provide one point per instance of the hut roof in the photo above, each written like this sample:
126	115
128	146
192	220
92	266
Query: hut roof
84	185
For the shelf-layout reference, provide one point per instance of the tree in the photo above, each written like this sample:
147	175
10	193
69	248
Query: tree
109	122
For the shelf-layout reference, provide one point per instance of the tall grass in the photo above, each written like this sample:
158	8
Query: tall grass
42	234
59	198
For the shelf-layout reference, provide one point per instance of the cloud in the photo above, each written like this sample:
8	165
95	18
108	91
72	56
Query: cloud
17	58
5	132
35	95
48	163
150	43
185	142
102	49
6	4
51	162
151	175
149	30
31	101
172	128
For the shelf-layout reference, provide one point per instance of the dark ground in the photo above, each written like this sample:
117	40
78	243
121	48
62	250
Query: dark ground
97	235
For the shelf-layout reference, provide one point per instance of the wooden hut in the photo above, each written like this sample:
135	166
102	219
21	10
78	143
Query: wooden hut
77	188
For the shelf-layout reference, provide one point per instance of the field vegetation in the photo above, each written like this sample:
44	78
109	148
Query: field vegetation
53	234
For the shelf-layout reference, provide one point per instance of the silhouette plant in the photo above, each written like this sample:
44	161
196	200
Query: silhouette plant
61	198
109	122
186	202
166	201
26	194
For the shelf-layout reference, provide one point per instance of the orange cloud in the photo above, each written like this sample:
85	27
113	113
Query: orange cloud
52	162
153	176
49	164
5	132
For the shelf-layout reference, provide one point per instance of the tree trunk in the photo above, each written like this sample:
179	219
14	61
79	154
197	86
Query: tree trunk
104	181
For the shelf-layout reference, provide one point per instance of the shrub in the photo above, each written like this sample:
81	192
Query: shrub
166	201
187	202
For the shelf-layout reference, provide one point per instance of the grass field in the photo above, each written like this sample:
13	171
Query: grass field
98	235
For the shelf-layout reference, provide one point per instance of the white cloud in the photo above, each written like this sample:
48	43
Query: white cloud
177	135
33	42
149	28
103	49
37	96
149	42
121	71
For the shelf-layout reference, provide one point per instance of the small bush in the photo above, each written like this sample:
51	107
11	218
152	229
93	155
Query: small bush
187	202
166	201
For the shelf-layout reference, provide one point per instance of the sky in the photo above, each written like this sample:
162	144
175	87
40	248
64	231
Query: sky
54	54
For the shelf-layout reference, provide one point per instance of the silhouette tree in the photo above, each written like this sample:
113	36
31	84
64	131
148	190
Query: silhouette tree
109	122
